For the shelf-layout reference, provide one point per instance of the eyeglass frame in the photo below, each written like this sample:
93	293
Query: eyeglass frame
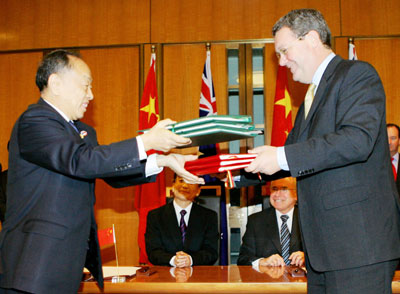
284	51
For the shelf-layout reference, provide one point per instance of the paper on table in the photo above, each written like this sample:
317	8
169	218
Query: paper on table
110	271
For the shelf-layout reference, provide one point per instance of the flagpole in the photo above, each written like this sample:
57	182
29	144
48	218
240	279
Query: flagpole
208	46
116	254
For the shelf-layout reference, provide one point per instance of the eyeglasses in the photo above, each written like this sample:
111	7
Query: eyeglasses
284	51
282	188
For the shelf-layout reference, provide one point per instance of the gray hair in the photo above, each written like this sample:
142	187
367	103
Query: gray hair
301	21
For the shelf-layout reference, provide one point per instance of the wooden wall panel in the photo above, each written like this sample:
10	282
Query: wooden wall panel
190	21
384	55
28	24
114	114
183	68
370	17
17	91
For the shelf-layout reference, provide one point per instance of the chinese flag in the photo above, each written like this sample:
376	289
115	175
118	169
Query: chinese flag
282	120
106	236
152	195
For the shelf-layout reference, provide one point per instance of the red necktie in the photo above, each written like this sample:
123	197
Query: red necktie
394	170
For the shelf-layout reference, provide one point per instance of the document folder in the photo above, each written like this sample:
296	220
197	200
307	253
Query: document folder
215	129
219	163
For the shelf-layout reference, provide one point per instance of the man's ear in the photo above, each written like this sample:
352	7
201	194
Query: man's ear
314	38
54	83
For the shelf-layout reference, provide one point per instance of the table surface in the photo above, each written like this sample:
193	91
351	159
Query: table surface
213	279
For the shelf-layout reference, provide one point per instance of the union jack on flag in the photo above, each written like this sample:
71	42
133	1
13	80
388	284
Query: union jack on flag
208	103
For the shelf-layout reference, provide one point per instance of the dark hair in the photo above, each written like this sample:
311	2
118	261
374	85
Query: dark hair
53	62
301	21
394	126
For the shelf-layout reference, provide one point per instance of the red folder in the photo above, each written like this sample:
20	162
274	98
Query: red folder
219	163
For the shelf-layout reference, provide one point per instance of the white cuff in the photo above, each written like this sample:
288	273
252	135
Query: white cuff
281	157
151	166
142	151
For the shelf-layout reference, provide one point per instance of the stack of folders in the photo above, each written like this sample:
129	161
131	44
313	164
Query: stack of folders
215	129
219	163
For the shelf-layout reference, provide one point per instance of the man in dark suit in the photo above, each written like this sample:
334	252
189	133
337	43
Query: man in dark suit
182	233
50	233
393	131
338	150
261	244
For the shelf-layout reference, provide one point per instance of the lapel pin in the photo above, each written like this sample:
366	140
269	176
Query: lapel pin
83	134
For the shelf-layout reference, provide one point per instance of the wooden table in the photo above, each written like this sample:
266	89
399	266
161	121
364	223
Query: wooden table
212	279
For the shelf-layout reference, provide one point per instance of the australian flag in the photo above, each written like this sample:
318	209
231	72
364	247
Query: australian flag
208	106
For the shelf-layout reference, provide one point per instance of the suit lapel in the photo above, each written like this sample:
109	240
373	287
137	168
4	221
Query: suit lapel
193	226
330	69
171	225
294	236
272	230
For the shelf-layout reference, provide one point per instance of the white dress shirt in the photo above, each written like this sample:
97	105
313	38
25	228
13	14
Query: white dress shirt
289	223
186	219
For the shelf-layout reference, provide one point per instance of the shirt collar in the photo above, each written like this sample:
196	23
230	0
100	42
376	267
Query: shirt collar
58	110
289	213
321	69
178	208
396	158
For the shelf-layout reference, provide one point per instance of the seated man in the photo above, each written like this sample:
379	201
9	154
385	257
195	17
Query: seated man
272	236
182	233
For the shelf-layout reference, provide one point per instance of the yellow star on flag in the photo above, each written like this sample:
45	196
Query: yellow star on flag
285	102
151	108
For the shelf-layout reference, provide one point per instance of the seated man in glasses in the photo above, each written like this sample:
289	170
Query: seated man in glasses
272	236
182	233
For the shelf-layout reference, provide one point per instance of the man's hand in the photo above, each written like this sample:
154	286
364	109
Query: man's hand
182	274
273	260
176	162
297	258
266	161
182	259
161	139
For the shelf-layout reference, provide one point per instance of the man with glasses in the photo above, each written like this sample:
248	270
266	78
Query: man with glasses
339	153
272	236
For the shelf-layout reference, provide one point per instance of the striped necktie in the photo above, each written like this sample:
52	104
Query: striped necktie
285	239
182	225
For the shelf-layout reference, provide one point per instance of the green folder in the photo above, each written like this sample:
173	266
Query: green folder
215	129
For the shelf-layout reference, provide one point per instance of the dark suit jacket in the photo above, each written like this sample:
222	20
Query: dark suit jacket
347	199
50	227
261	238
164	239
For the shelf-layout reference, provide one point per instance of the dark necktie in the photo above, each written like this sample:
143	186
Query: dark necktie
182	225
285	239
74	126
394	170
